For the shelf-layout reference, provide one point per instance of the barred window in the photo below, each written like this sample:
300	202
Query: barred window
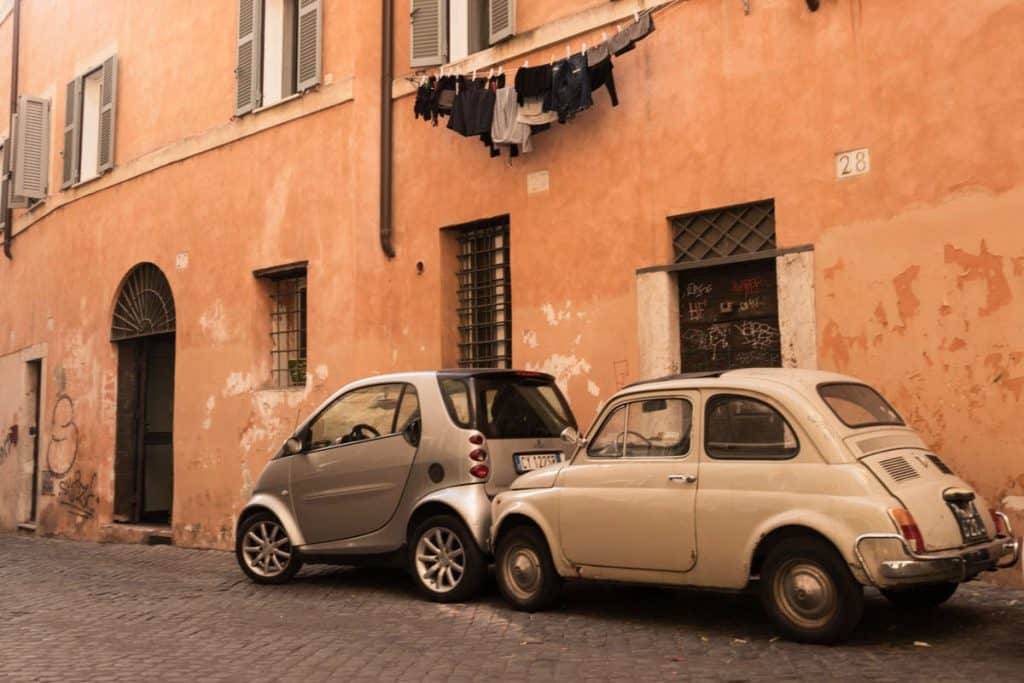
484	296
286	286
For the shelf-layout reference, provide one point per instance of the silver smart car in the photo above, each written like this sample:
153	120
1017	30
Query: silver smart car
403	467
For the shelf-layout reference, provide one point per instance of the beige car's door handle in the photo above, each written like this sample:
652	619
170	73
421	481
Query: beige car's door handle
685	478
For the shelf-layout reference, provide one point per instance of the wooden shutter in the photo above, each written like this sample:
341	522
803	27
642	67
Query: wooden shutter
108	115
502	20
429	32
32	147
310	44
249	74
72	134
5	159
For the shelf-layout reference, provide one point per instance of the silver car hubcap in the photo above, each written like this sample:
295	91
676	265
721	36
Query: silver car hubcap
440	559
522	572
266	549
805	593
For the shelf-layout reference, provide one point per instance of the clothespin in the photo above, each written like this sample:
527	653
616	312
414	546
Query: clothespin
618	28
501	69
474	74
636	17
604	36
526	64
568	51
584	50
490	74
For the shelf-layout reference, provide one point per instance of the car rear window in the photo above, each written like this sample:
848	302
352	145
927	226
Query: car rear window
858	405
456	400
520	407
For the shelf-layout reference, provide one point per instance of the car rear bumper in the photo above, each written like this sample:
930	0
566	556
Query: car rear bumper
889	562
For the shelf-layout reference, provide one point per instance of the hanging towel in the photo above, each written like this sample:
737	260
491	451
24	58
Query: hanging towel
506	128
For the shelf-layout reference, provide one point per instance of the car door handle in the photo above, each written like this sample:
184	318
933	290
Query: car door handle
685	478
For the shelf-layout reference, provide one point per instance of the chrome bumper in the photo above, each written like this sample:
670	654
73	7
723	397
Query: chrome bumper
889	562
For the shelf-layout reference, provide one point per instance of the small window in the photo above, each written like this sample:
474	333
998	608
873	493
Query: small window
286	288
858	405
89	124
484	297
359	415
91	85
280	37
450	30
456	400
745	428
609	440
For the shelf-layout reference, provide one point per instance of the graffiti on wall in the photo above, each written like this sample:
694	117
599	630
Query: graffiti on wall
78	495
62	450
10	437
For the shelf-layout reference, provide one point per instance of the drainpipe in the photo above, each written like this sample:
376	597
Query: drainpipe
15	32
387	69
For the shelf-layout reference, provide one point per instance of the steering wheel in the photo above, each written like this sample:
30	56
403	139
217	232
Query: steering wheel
361	430
622	436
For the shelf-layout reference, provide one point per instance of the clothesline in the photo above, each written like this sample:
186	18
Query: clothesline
420	76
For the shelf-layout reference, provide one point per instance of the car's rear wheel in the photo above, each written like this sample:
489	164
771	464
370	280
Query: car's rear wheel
921	597
526	575
264	550
809	591
444	560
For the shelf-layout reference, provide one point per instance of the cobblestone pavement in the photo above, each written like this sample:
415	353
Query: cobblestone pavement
83	611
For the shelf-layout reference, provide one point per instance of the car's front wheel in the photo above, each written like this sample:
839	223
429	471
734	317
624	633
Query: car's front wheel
921	597
526	575
444	560
264	550
809	591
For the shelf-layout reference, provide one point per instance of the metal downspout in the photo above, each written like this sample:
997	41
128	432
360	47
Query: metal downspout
386	127
16	31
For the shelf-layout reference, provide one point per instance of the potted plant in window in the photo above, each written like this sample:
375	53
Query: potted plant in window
297	370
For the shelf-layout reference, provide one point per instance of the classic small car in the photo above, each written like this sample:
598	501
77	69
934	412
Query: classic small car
806	485
402	467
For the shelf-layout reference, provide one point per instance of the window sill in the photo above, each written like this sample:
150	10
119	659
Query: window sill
295	388
81	183
283	100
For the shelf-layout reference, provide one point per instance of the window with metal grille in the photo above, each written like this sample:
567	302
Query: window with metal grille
741	229
286	287
484	296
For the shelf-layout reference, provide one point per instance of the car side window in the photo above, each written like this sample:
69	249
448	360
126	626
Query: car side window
607	444
740	427
658	427
360	414
408	410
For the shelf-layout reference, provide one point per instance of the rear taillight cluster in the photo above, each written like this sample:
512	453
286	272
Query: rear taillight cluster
1000	523
479	456
908	528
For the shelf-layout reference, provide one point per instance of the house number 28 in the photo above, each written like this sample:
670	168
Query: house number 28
853	162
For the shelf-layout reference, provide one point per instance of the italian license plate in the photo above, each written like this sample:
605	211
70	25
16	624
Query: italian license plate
534	461
972	528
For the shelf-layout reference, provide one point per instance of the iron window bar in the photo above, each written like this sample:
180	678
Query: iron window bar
484	297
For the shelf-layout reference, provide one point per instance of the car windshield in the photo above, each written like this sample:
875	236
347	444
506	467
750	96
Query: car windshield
520	407
858	405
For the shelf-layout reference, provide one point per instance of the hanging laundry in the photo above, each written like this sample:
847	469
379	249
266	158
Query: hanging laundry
570	88
506	129
424	97
601	74
625	40
473	110
532	113
533	81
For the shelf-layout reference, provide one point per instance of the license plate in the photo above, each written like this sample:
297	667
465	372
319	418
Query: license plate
972	528
534	461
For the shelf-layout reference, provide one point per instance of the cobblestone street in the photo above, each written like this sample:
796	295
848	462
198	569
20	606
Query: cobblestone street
82	611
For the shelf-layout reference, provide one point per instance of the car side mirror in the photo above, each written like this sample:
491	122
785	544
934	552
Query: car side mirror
292	446
412	431
572	437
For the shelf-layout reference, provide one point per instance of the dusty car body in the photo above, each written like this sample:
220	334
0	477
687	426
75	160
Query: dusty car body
403	467
805	484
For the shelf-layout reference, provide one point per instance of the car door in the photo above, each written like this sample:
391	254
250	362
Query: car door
357	453
628	499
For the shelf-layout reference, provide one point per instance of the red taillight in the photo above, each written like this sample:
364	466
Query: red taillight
477	439
908	528
478	454
1000	523
480	471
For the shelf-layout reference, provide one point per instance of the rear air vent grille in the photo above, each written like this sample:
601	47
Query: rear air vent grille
899	469
938	463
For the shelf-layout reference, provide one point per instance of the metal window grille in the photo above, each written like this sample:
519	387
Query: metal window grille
740	229
288	331
484	297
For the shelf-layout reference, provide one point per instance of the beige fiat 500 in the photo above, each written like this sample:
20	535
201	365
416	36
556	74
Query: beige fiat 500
805	484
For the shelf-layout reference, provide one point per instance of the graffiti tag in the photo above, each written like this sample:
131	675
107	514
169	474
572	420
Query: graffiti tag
62	451
78	496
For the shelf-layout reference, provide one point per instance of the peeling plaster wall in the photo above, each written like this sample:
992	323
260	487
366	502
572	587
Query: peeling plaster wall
657	299
797	329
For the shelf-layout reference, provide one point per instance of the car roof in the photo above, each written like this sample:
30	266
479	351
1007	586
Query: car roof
803	380
455	373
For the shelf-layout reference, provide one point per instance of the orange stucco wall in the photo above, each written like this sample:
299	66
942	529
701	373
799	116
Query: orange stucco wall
919	265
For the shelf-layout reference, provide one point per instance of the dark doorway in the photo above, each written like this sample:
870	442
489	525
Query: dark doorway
729	317
143	329
35	375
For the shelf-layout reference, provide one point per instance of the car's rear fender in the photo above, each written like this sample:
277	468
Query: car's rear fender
470	502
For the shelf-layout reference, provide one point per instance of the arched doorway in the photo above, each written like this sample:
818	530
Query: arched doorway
143	330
